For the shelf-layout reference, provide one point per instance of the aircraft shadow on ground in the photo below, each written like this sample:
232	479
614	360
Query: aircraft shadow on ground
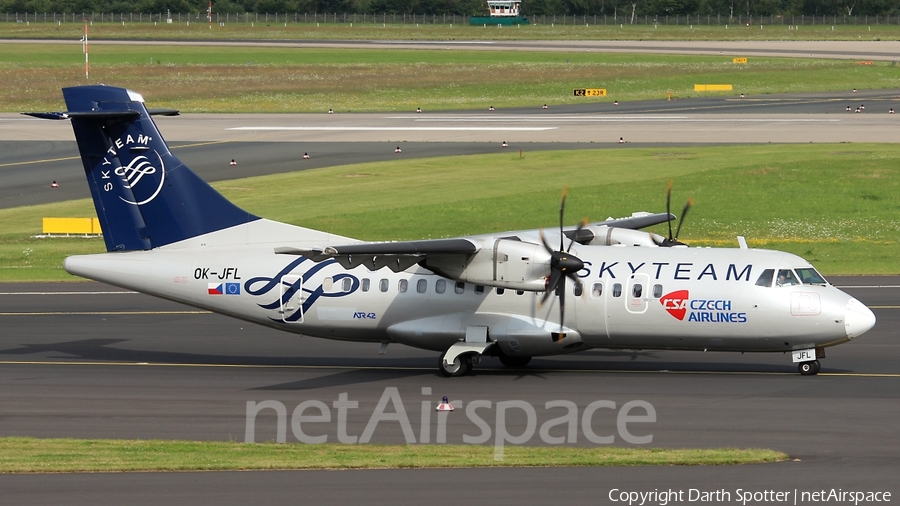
104	350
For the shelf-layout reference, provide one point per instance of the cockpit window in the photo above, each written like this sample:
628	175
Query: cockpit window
765	279
786	277
810	276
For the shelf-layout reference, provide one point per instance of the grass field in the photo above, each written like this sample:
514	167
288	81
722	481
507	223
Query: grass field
30	455
258	79
272	30
833	204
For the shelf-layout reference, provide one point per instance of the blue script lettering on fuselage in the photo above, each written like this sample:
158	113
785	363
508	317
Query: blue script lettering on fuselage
291	287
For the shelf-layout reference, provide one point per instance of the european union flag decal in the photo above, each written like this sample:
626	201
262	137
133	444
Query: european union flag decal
232	288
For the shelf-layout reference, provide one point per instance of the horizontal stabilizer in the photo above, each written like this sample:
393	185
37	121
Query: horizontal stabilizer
101	114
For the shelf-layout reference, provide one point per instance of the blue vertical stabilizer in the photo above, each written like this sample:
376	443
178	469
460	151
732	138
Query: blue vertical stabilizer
145	196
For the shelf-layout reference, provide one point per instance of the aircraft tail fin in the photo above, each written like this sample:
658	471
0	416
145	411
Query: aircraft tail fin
144	195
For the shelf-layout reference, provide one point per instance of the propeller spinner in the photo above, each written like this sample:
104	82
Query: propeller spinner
562	265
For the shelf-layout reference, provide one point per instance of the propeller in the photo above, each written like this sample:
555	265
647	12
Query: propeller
673	240
562	265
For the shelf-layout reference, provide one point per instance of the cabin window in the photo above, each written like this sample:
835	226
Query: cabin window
479	289
403	286
365	284
810	276
578	289
520	292
786	277
765	279
347	285
637	290
460	287
617	290
421	286
328	284
440	286
657	291
383	285
597	290
500	291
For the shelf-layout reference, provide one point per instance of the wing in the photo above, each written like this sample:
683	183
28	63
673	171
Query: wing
398	256
515	260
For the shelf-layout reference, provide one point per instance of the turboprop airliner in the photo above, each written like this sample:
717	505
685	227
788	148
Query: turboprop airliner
509	294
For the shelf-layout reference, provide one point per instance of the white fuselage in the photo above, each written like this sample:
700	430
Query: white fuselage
631	297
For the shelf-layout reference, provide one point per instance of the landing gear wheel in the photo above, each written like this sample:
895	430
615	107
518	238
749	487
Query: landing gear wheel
809	368
460	366
514	362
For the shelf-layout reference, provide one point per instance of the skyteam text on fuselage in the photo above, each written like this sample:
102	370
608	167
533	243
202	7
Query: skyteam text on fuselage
509	294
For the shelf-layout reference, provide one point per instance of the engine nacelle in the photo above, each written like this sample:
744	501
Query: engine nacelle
614	236
503	263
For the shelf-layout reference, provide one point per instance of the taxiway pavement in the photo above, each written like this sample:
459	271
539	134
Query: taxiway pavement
89	361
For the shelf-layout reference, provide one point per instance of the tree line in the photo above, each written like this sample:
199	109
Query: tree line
724	8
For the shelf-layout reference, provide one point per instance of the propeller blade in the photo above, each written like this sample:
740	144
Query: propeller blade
581	225
562	213
669	206
544	242
562	305
551	286
684	212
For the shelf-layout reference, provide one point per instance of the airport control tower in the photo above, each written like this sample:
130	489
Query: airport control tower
503	12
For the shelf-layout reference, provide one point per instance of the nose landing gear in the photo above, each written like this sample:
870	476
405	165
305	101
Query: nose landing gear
810	368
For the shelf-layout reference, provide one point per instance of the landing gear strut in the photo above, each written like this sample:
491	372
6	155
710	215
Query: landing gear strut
809	368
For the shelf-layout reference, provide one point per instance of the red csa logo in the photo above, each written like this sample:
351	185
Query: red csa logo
676	303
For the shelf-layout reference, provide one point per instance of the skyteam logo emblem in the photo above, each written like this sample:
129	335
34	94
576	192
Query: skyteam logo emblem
142	178
135	172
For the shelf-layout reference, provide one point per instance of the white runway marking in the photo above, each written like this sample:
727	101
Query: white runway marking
397	129
629	119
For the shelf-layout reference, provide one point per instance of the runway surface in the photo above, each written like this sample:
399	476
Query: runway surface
89	361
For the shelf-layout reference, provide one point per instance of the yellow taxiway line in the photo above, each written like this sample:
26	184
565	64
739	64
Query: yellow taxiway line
429	369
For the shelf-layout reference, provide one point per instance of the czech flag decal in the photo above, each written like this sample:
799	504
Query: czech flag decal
215	289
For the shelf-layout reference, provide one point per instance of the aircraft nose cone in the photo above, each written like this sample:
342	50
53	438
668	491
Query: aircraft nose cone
858	318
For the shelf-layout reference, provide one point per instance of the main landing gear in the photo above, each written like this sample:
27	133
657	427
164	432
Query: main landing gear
459	366
809	368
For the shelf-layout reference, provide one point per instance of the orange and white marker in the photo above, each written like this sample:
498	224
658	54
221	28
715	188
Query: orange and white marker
491	108
398	150
233	162
444	405
891	111
504	145
418	109
545	106
306	156
621	140
330	111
